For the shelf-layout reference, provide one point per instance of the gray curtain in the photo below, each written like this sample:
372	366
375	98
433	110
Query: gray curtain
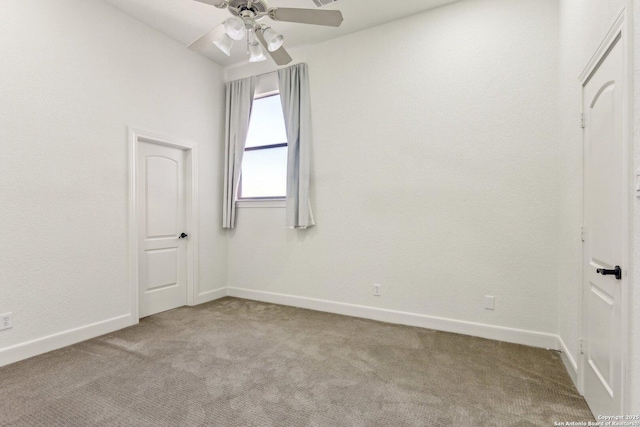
294	92
239	103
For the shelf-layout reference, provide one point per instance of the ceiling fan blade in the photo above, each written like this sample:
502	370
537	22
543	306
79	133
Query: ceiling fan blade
330	18
208	39
216	3
280	56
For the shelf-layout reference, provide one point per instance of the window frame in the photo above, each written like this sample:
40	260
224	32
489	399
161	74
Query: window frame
266	201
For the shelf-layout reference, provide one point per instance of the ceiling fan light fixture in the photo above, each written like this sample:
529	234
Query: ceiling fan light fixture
256	53
224	43
273	39
262	41
234	27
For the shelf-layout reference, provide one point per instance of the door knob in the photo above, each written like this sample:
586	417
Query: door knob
617	271
183	235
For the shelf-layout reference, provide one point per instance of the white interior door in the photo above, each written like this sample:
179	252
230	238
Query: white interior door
162	257
605	234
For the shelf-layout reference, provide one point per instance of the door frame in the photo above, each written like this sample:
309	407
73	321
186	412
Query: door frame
620	32
137	136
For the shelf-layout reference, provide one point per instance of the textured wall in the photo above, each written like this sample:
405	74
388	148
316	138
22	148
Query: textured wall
73	75
435	170
583	26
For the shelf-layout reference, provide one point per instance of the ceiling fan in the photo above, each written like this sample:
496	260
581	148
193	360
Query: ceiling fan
244	22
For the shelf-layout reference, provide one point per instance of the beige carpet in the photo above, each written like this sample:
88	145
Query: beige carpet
234	362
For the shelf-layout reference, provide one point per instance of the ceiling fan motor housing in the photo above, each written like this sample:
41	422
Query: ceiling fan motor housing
258	7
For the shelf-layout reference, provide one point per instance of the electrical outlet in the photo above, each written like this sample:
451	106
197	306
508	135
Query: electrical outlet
377	292
489	302
5	321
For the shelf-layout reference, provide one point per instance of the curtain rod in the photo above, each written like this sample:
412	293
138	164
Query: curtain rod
269	72
256	75
264	74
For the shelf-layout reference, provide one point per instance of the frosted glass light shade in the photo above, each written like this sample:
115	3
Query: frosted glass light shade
234	28
224	44
256	53
273	39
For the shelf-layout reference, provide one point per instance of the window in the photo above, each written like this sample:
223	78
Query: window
264	166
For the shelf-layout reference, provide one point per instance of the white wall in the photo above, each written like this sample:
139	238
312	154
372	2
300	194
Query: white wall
583	26
435	170
634	309
74	74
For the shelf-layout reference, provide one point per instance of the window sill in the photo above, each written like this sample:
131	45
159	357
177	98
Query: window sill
262	203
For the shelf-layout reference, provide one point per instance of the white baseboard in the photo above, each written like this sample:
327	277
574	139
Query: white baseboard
62	339
211	295
518	336
569	361
499	333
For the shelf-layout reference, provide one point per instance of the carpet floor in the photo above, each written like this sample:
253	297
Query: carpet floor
235	362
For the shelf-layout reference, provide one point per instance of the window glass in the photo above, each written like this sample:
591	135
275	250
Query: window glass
264	166
267	123
264	173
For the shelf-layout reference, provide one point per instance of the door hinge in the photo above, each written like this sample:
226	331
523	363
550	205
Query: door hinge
582	125
581	342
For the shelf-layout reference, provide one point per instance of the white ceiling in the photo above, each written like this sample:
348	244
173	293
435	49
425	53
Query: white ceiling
187	20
